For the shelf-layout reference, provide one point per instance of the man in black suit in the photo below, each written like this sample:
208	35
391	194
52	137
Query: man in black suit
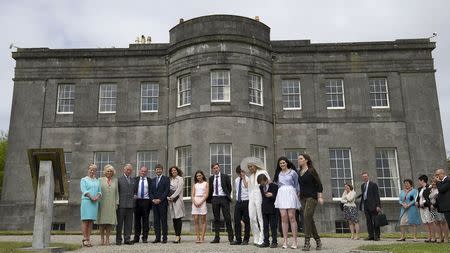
143	205
220	198
158	195
270	214
443	199
371	205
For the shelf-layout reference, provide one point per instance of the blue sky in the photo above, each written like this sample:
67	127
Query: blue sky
93	24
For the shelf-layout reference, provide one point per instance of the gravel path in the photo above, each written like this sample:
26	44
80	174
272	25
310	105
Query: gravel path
330	245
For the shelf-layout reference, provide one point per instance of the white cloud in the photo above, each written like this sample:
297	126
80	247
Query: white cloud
87	23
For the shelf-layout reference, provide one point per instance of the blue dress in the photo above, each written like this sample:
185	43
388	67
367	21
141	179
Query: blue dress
411	215
89	208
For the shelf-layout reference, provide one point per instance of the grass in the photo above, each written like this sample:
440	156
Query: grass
14	247
409	247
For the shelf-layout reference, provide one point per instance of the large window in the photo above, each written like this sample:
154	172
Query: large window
292	97
220	86
149	159
184	91
66	98
387	172
221	154
107	98
184	162
293	153
341	170
68	163
255	88
149	97
335	93
379	97
258	152
101	159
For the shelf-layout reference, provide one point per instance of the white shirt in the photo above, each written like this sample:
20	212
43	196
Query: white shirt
253	186
244	190
219	181
145	182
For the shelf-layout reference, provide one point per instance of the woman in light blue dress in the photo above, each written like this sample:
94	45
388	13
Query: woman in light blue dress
409	215
90	195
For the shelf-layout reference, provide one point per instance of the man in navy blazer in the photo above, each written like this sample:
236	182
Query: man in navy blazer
158	195
371	205
443	199
143	205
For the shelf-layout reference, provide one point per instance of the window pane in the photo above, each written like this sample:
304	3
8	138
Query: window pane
149	96
184	90
387	172
101	159
222	154
378	92
341	170
66	98
107	98
148	159
220	86
335	93
291	94
184	162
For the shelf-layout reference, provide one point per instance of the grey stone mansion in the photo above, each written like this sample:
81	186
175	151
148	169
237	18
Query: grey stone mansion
218	91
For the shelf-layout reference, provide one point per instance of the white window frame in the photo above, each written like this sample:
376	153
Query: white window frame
154	97
221	166
186	91
351	171
398	173
58	98
151	171
100	98
387	93
297	150
185	176
343	94
292	94
228	86
99	168
254	147
251	87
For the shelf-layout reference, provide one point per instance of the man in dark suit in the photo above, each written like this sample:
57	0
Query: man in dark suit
270	215
143	205
220	198
443	199
371	205
158	195
126	205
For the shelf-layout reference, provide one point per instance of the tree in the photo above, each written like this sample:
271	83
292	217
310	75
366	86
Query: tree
3	147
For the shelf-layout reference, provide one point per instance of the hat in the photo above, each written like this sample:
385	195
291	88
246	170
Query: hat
252	161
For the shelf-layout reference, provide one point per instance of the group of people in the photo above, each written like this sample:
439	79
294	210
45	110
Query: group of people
261	203
428	205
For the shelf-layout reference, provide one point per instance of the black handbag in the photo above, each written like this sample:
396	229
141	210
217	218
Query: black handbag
341	205
171	192
380	220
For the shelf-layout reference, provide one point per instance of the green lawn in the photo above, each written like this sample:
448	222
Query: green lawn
14	247
409	247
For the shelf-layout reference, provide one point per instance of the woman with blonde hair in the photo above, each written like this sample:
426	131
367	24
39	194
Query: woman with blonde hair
110	200
90	195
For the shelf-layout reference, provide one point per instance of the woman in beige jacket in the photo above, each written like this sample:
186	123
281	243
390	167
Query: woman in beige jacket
350	210
176	204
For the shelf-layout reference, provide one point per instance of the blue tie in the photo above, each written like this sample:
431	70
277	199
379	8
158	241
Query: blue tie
142	188
157	181
240	190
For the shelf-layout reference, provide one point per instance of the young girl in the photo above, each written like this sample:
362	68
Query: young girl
199	195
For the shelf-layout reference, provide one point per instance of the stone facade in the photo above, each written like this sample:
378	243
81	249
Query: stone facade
410	125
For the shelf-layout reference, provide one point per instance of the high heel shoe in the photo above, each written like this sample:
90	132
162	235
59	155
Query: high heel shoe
178	240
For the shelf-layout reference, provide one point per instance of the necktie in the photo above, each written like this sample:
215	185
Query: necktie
365	192
157	181
216	187
128	179
240	190
142	188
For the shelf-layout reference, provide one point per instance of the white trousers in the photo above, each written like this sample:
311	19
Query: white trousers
255	213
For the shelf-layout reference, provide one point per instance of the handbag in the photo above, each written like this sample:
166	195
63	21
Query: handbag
341	205
380	220
171	192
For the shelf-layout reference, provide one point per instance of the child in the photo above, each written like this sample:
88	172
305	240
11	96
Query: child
269	193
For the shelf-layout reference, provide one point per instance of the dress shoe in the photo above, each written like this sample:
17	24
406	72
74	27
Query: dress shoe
119	243
136	240
144	241
128	243
216	240
368	239
264	245
274	245
376	239
235	243
156	241
164	241
244	243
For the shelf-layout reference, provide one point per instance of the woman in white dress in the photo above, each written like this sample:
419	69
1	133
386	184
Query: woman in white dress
199	195
287	198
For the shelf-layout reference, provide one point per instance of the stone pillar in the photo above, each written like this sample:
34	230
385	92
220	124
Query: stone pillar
44	206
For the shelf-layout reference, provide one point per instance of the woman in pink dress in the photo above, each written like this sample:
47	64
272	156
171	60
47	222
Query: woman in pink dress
199	196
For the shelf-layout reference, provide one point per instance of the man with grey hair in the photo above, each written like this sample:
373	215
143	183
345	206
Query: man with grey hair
126	205
443	198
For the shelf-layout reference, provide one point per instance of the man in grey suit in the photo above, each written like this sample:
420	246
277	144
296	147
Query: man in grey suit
126	205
